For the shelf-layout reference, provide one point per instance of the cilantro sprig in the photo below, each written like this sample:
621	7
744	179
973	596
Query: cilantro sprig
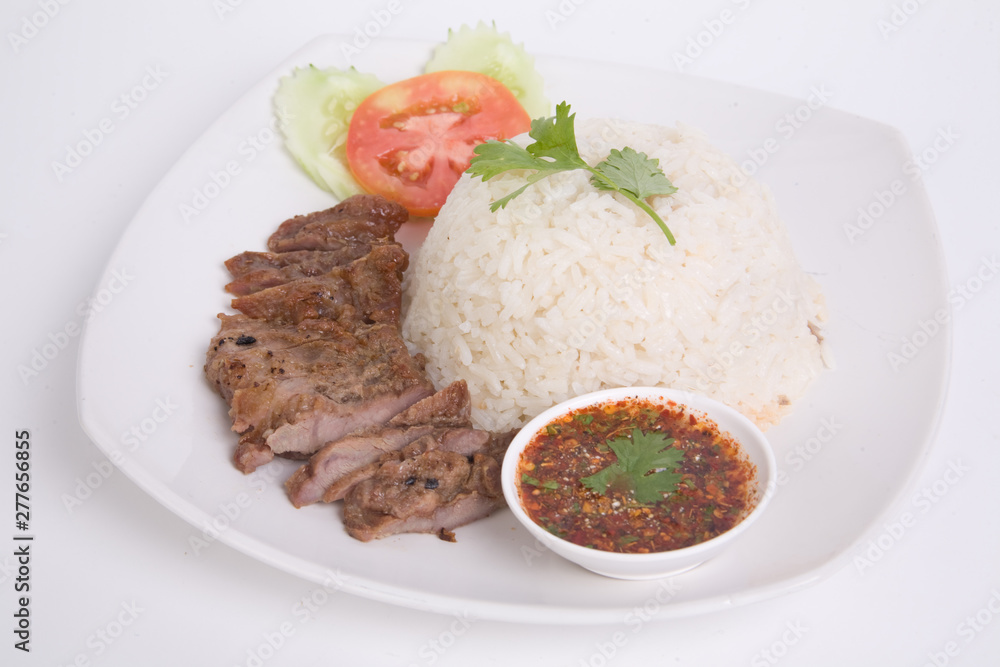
631	173
646	466
550	484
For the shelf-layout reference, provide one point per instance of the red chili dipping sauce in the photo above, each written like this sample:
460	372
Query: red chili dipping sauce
635	476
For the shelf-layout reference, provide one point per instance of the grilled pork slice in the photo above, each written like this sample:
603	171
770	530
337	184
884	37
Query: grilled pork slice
425	488
293	388
330	472
366	290
450	407
250	455
465	441
363	218
254	271
339	459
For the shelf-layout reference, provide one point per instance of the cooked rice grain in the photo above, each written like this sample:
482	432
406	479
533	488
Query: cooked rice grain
569	290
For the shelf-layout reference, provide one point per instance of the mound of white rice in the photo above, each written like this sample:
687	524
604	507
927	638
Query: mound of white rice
569	290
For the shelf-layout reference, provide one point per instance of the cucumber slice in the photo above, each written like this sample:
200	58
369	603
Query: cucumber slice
314	108
485	50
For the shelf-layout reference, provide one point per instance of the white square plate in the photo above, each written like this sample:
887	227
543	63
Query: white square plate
848	450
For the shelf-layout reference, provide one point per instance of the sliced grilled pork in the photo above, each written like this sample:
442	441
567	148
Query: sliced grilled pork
250	455
254	271
341	458
316	362
362	218
330	471
294	388
462	509
464	441
434	491
320	418
366	290
450	407
244	351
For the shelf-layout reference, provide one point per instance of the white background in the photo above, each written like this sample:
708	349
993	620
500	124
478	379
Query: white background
120	557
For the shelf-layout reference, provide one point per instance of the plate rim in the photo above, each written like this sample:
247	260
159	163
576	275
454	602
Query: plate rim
493	610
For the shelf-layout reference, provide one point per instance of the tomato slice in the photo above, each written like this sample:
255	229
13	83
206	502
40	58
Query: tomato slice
411	140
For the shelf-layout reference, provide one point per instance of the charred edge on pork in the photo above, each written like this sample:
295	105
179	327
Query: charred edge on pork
332	470
315	367
428	487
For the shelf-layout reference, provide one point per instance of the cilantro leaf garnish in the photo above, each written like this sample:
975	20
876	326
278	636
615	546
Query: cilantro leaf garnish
637	176
550	484
634	175
646	466
553	150
555	138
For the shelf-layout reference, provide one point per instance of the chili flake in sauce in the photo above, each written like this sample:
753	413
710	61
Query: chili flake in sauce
715	491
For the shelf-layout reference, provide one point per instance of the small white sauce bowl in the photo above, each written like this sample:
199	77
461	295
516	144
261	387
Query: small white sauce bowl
663	563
